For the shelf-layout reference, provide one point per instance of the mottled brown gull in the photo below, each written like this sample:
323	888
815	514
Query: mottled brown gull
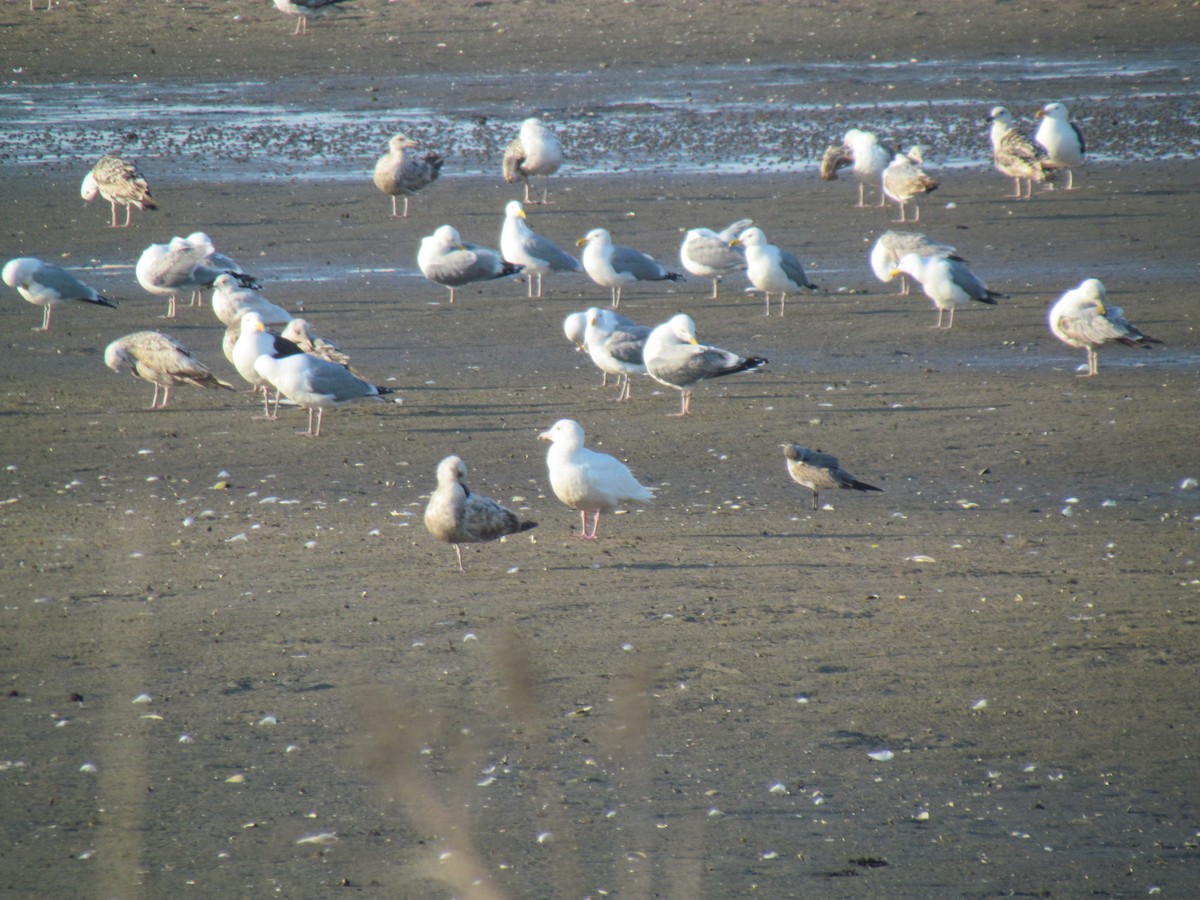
905	180
458	516
161	360
819	471
400	173
117	181
1015	155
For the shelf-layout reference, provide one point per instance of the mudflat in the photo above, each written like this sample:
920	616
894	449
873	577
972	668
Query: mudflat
236	662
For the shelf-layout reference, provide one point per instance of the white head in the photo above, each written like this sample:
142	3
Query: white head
575	327
514	210
447	236
201	241
298	331
751	237
1001	115
597	237
400	142
18	272
1092	290
566	432
1055	111
683	327
910	264
89	190
451	470
532	126
225	282
252	322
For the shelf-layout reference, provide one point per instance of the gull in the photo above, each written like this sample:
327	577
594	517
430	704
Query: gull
1061	139
161	360
231	299
254	340
862	150
523	246
165	269
946	281
117	181
819	471
446	260
707	254
904	179
1015	155
314	383
585	479
536	151
457	516
675	358
301	333
613	266
771	269
1080	319
213	260
305	9
893	245
48	286
575	328
402	174
616	347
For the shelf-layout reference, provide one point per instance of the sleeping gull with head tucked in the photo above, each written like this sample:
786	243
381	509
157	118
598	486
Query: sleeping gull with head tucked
1081	319
161	360
48	286
707	254
535	151
613	266
523	246
585	479
675	358
862	150
166	269
458	516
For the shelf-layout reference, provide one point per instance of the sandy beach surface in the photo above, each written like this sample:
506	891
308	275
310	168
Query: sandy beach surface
236	664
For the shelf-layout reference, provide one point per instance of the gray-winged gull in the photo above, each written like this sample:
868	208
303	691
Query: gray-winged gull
47	285
445	259
458	516
522	245
315	383
306	9
675	358
117	181
535	151
616	347
613	266
399	173
161	360
166	269
1081	319
948	282
892	246
771	269
707	254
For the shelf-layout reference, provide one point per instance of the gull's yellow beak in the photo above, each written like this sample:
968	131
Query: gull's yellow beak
736	242
693	341
260	327
1100	308
1039	114
581	242
895	272
523	216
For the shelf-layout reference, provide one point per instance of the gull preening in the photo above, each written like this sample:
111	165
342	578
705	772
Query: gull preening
47	285
306	9
675	358
947	281
893	246
905	180
1081	319
613	266
616	346
117	181
585	479
707	254
315	383
457	516
771	269
863	151
399	173
536	151
179	265
1061	139
161	360
445	259
819	471
523	246
1015	155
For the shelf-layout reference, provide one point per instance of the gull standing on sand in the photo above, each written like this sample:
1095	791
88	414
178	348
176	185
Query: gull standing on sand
1015	155
819	471
707	254
862	150
402	174
616	347
231	299
947	281
255	340
892	246
117	181
536	151
1061	139
457	516
446	260
613	266
315	383
306	9
770	269
587	480
161	360
212	260
904	180
675	358
522	245
165	269
1080	319
48	286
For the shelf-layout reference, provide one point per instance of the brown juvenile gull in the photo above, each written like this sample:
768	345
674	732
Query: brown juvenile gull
707	254
585	479
445	259
904	180
48	286
613	266
117	181
675	358
301	333
402	174
314	383
616	347
1080	319
306	9
1061	139
892	246
948	282
161	360
862	150
771	269
1017	156
523	246
457	516
536	151
819	471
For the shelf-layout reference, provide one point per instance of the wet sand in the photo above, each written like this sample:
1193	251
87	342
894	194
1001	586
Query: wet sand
683	708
